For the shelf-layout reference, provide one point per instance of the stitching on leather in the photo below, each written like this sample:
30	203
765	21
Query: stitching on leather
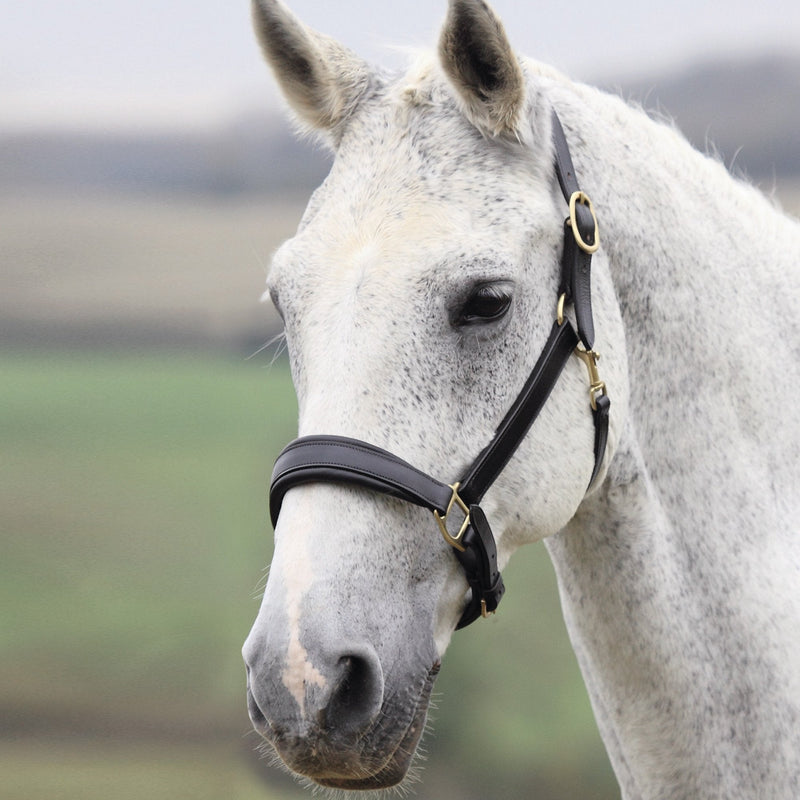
407	491
347	446
349	467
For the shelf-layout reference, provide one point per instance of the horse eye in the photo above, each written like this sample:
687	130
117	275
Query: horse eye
487	303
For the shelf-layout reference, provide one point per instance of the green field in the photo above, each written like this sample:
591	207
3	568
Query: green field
135	535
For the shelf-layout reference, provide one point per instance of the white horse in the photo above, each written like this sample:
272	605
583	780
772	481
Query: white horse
417	295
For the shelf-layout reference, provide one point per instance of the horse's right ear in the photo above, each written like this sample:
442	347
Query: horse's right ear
321	79
477	58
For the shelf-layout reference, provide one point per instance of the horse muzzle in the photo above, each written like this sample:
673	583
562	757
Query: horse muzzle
341	726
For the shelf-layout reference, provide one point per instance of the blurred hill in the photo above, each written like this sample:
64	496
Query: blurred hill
747	110
257	153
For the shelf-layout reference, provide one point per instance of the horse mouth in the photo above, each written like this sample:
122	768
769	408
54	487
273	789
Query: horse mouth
396	766
368	768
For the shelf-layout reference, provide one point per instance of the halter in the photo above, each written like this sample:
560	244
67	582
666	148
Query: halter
338	459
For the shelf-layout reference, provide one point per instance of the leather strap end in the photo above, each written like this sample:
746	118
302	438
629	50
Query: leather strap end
479	561
601	413
576	286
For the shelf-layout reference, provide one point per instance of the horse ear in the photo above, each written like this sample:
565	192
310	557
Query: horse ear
321	79
478	59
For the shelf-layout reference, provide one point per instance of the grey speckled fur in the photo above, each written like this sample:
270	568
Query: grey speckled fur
679	573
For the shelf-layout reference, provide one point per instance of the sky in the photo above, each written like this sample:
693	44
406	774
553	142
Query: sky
179	63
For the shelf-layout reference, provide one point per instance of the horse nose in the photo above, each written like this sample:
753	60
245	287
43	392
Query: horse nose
290	703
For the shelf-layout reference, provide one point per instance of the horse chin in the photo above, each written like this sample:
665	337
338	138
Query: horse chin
377	764
394	770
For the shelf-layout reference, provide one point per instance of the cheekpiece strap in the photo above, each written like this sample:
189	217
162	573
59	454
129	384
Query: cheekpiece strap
581	239
491	461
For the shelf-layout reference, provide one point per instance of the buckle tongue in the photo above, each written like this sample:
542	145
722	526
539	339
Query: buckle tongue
455	499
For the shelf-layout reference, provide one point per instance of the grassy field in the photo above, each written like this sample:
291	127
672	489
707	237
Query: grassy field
129	771
135	535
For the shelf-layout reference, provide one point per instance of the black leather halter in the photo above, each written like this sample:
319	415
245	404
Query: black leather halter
337	459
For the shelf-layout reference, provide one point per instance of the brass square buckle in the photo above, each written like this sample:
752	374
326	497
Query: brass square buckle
455	499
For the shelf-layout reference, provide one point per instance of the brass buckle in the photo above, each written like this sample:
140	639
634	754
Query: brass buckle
455	499
560	309
583	199
596	386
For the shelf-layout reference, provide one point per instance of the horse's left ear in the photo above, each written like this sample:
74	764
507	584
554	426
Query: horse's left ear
477	58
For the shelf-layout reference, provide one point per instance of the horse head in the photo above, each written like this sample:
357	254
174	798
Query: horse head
416	297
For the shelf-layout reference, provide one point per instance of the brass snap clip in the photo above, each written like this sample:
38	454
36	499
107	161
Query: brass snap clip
596	387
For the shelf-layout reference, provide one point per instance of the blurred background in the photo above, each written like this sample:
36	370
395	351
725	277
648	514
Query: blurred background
146	174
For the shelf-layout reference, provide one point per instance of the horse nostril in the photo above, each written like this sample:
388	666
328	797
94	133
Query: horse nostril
357	698
355	683
256	715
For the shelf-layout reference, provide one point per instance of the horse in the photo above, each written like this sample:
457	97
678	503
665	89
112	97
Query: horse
417	297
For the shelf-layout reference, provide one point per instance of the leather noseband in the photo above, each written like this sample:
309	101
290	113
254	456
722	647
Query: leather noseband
337	459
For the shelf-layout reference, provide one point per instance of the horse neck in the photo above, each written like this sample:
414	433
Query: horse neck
706	276
679	578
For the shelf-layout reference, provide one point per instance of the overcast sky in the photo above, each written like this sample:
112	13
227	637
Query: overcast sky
176	62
